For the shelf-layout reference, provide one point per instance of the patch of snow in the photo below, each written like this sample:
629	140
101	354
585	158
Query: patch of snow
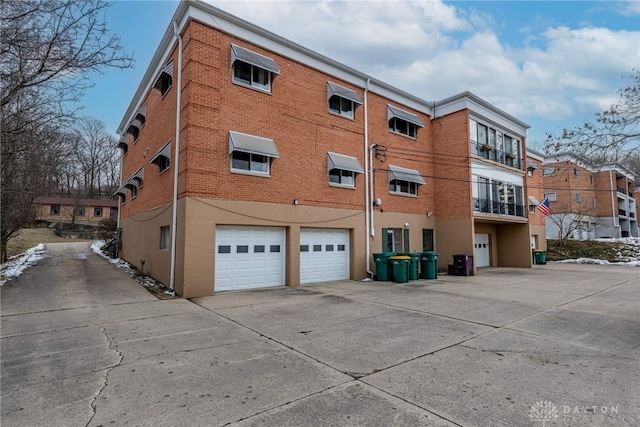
17	264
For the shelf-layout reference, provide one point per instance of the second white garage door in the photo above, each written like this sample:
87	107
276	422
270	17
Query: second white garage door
324	255
249	257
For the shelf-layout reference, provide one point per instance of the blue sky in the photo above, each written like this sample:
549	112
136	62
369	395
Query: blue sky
551	64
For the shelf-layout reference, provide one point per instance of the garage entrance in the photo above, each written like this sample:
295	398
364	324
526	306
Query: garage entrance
324	255
249	257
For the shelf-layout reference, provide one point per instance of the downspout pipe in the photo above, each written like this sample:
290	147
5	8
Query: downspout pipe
367	200
174	220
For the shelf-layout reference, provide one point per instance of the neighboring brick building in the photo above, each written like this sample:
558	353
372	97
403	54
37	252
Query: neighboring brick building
295	169
78	211
535	195
586	201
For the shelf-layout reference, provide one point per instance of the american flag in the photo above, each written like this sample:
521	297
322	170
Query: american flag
544	207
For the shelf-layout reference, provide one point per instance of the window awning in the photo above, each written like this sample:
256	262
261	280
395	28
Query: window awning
163	152
123	143
136	179
121	192
135	124
141	114
347	163
531	164
337	90
253	58
403	174
167	69
533	201
252	144
404	115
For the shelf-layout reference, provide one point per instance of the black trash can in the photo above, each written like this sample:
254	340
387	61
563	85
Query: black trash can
463	265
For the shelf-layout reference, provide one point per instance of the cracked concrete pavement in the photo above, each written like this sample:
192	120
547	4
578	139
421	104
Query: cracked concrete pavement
82	344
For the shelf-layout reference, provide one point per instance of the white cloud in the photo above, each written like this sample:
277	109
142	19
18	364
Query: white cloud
434	50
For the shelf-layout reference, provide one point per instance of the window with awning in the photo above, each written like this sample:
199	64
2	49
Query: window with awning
253	69
162	158
343	169
251	154
164	81
123	143
342	100
403	122
404	181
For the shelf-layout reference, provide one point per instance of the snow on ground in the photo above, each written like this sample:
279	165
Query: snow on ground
17	264
629	251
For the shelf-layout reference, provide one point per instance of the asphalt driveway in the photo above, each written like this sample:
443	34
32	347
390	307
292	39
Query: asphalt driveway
83	344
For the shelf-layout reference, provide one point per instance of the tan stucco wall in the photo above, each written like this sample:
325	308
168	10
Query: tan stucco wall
453	237
195	264
141	240
514	249
540	233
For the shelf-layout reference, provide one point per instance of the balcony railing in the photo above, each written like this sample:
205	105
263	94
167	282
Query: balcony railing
500	156
632	215
498	208
622	212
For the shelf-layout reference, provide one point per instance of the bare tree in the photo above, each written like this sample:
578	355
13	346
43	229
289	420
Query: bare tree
571	221
614	136
47	49
93	153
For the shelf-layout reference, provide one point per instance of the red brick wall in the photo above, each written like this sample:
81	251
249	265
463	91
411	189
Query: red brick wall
295	115
452	151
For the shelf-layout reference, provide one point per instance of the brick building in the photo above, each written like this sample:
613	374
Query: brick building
78	211
293	168
588	201
535	195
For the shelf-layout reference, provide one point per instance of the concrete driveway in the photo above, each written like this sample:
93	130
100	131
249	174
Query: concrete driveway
82	344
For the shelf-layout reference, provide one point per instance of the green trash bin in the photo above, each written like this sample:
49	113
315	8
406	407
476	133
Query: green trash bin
383	265
429	265
400	265
414	265
540	256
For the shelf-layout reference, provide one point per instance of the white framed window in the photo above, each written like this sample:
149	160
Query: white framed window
578	197
241	161
341	106
552	197
576	171
164	238
403	127
398	186
594	204
342	177
252	69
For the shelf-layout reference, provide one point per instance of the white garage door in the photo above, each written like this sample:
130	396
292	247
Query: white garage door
482	250
324	255
249	257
